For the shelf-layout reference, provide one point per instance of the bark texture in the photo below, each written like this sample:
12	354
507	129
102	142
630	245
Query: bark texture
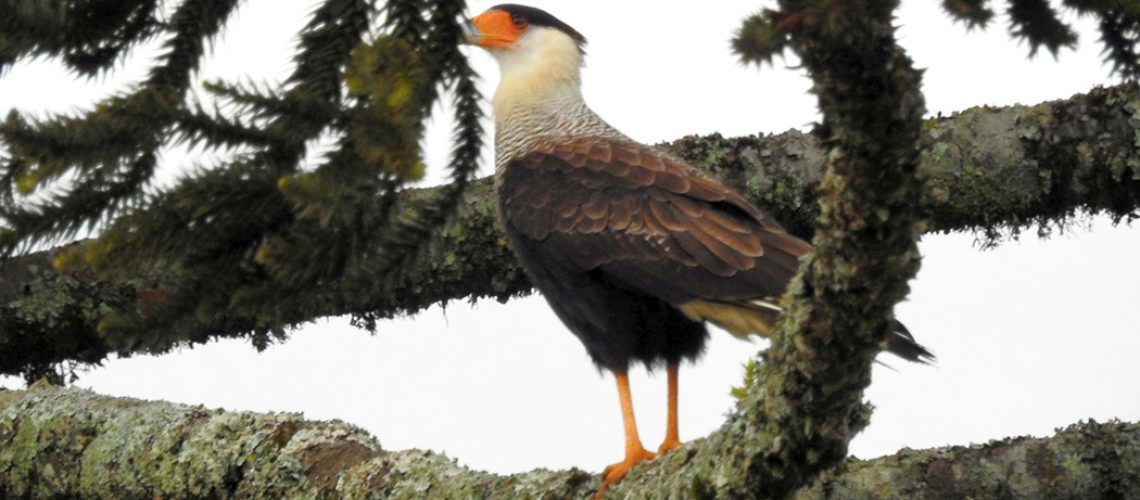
992	170
75	444
807	400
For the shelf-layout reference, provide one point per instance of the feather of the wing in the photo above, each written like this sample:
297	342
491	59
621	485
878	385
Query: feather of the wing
590	226
602	154
650	225
706	189
664	214
653	161
722	251
703	255
786	243
639	177
597	206
624	153
622	211
619	170
567	211
528	224
723	220
648	220
536	200
582	147
747	244
672	181
570	157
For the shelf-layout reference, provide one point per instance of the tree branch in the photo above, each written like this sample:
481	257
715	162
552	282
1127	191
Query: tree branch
807	400
73	443
993	170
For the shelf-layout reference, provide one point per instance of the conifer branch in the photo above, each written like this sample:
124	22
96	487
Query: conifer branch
1037	23
88	37
111	150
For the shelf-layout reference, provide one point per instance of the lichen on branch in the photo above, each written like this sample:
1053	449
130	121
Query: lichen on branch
73	443
806	405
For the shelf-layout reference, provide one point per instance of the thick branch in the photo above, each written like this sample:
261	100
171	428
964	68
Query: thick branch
73	443
807	401
989	169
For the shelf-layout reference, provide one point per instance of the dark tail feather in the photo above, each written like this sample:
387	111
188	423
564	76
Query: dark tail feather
902	344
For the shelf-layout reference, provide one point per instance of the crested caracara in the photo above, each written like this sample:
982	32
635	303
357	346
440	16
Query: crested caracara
634	249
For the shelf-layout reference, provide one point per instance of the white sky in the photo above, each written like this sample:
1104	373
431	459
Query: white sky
1030	336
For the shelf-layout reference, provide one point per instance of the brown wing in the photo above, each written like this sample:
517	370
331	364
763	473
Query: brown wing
645	220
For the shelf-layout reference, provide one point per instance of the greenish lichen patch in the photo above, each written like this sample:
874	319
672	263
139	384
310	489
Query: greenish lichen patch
74	443
1008	468
120	448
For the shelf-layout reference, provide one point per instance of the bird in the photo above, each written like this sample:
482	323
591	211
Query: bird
634	249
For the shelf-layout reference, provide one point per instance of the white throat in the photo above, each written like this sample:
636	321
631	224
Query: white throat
540	95
542	69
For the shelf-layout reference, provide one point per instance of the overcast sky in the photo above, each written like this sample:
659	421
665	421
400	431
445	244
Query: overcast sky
1030	336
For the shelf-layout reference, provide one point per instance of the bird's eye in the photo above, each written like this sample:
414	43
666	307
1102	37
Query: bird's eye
518	21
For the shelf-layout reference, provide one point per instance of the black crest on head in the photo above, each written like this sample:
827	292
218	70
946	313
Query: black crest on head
539	17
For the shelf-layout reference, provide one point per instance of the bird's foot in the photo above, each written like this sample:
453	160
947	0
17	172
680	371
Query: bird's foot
670	444
615	472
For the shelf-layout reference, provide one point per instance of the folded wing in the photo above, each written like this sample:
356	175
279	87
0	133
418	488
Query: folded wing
645	220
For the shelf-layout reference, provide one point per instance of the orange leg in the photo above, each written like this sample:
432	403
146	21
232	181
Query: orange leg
634	452
672	434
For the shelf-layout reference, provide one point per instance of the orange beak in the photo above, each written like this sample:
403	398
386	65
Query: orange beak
493	29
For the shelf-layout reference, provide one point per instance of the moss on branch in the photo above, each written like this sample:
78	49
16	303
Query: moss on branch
76	444
807	400
992	170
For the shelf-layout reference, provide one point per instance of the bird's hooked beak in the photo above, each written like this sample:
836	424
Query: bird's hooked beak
471	34
493	29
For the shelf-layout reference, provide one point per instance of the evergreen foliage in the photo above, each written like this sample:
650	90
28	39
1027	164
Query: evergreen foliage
233	246
764	35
